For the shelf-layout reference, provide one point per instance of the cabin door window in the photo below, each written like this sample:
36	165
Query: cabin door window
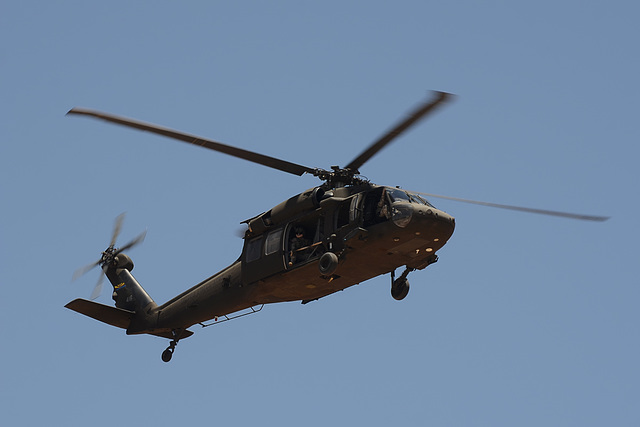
273	243
305	241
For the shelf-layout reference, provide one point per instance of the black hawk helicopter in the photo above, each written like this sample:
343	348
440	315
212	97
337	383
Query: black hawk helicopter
343	232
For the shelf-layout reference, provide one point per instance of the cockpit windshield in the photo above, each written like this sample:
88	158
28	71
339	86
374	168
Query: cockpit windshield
420	199
398	195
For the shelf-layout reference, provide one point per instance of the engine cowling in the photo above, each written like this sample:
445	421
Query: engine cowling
306	201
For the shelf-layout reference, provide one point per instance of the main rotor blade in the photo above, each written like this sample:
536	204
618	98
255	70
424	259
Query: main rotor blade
416	115
261	159
521	209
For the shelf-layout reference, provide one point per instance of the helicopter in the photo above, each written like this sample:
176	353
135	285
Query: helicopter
340	233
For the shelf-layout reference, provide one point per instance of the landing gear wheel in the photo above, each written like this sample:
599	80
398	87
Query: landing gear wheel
328	263
400	289
166	355
400	286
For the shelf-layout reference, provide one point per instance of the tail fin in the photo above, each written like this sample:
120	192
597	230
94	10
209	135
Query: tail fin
133	304
128	293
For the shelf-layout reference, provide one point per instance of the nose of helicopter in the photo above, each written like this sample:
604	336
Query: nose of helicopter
439	215
437	224
424	220
442	219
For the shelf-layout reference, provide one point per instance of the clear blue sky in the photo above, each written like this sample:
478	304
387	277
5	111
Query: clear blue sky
526	320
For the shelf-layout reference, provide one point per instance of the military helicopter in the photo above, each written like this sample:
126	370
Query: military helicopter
338	234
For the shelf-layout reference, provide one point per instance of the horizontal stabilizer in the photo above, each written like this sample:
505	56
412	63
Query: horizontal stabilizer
113	316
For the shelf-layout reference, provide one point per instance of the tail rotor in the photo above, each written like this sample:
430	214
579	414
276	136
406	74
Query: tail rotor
109	256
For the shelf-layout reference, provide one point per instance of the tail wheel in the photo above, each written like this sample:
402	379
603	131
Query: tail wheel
166	355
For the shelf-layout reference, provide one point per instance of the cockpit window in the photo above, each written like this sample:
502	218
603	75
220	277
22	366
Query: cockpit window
398	195
417	199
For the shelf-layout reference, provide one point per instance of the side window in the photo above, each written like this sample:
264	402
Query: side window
342	216
355	211
273	242
253	251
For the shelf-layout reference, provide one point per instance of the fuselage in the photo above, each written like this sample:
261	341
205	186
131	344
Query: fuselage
373	229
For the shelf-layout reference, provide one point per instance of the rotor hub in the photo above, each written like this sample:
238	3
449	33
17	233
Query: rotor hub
339	177
108	256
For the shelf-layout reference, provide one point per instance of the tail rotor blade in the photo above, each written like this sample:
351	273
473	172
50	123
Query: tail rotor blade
117	227
97	290
84	270
139	239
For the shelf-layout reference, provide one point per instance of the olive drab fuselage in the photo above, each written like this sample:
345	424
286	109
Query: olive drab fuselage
373	230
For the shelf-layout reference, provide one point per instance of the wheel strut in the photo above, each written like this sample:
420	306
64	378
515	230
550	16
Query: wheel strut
403	276
168	353
400	286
